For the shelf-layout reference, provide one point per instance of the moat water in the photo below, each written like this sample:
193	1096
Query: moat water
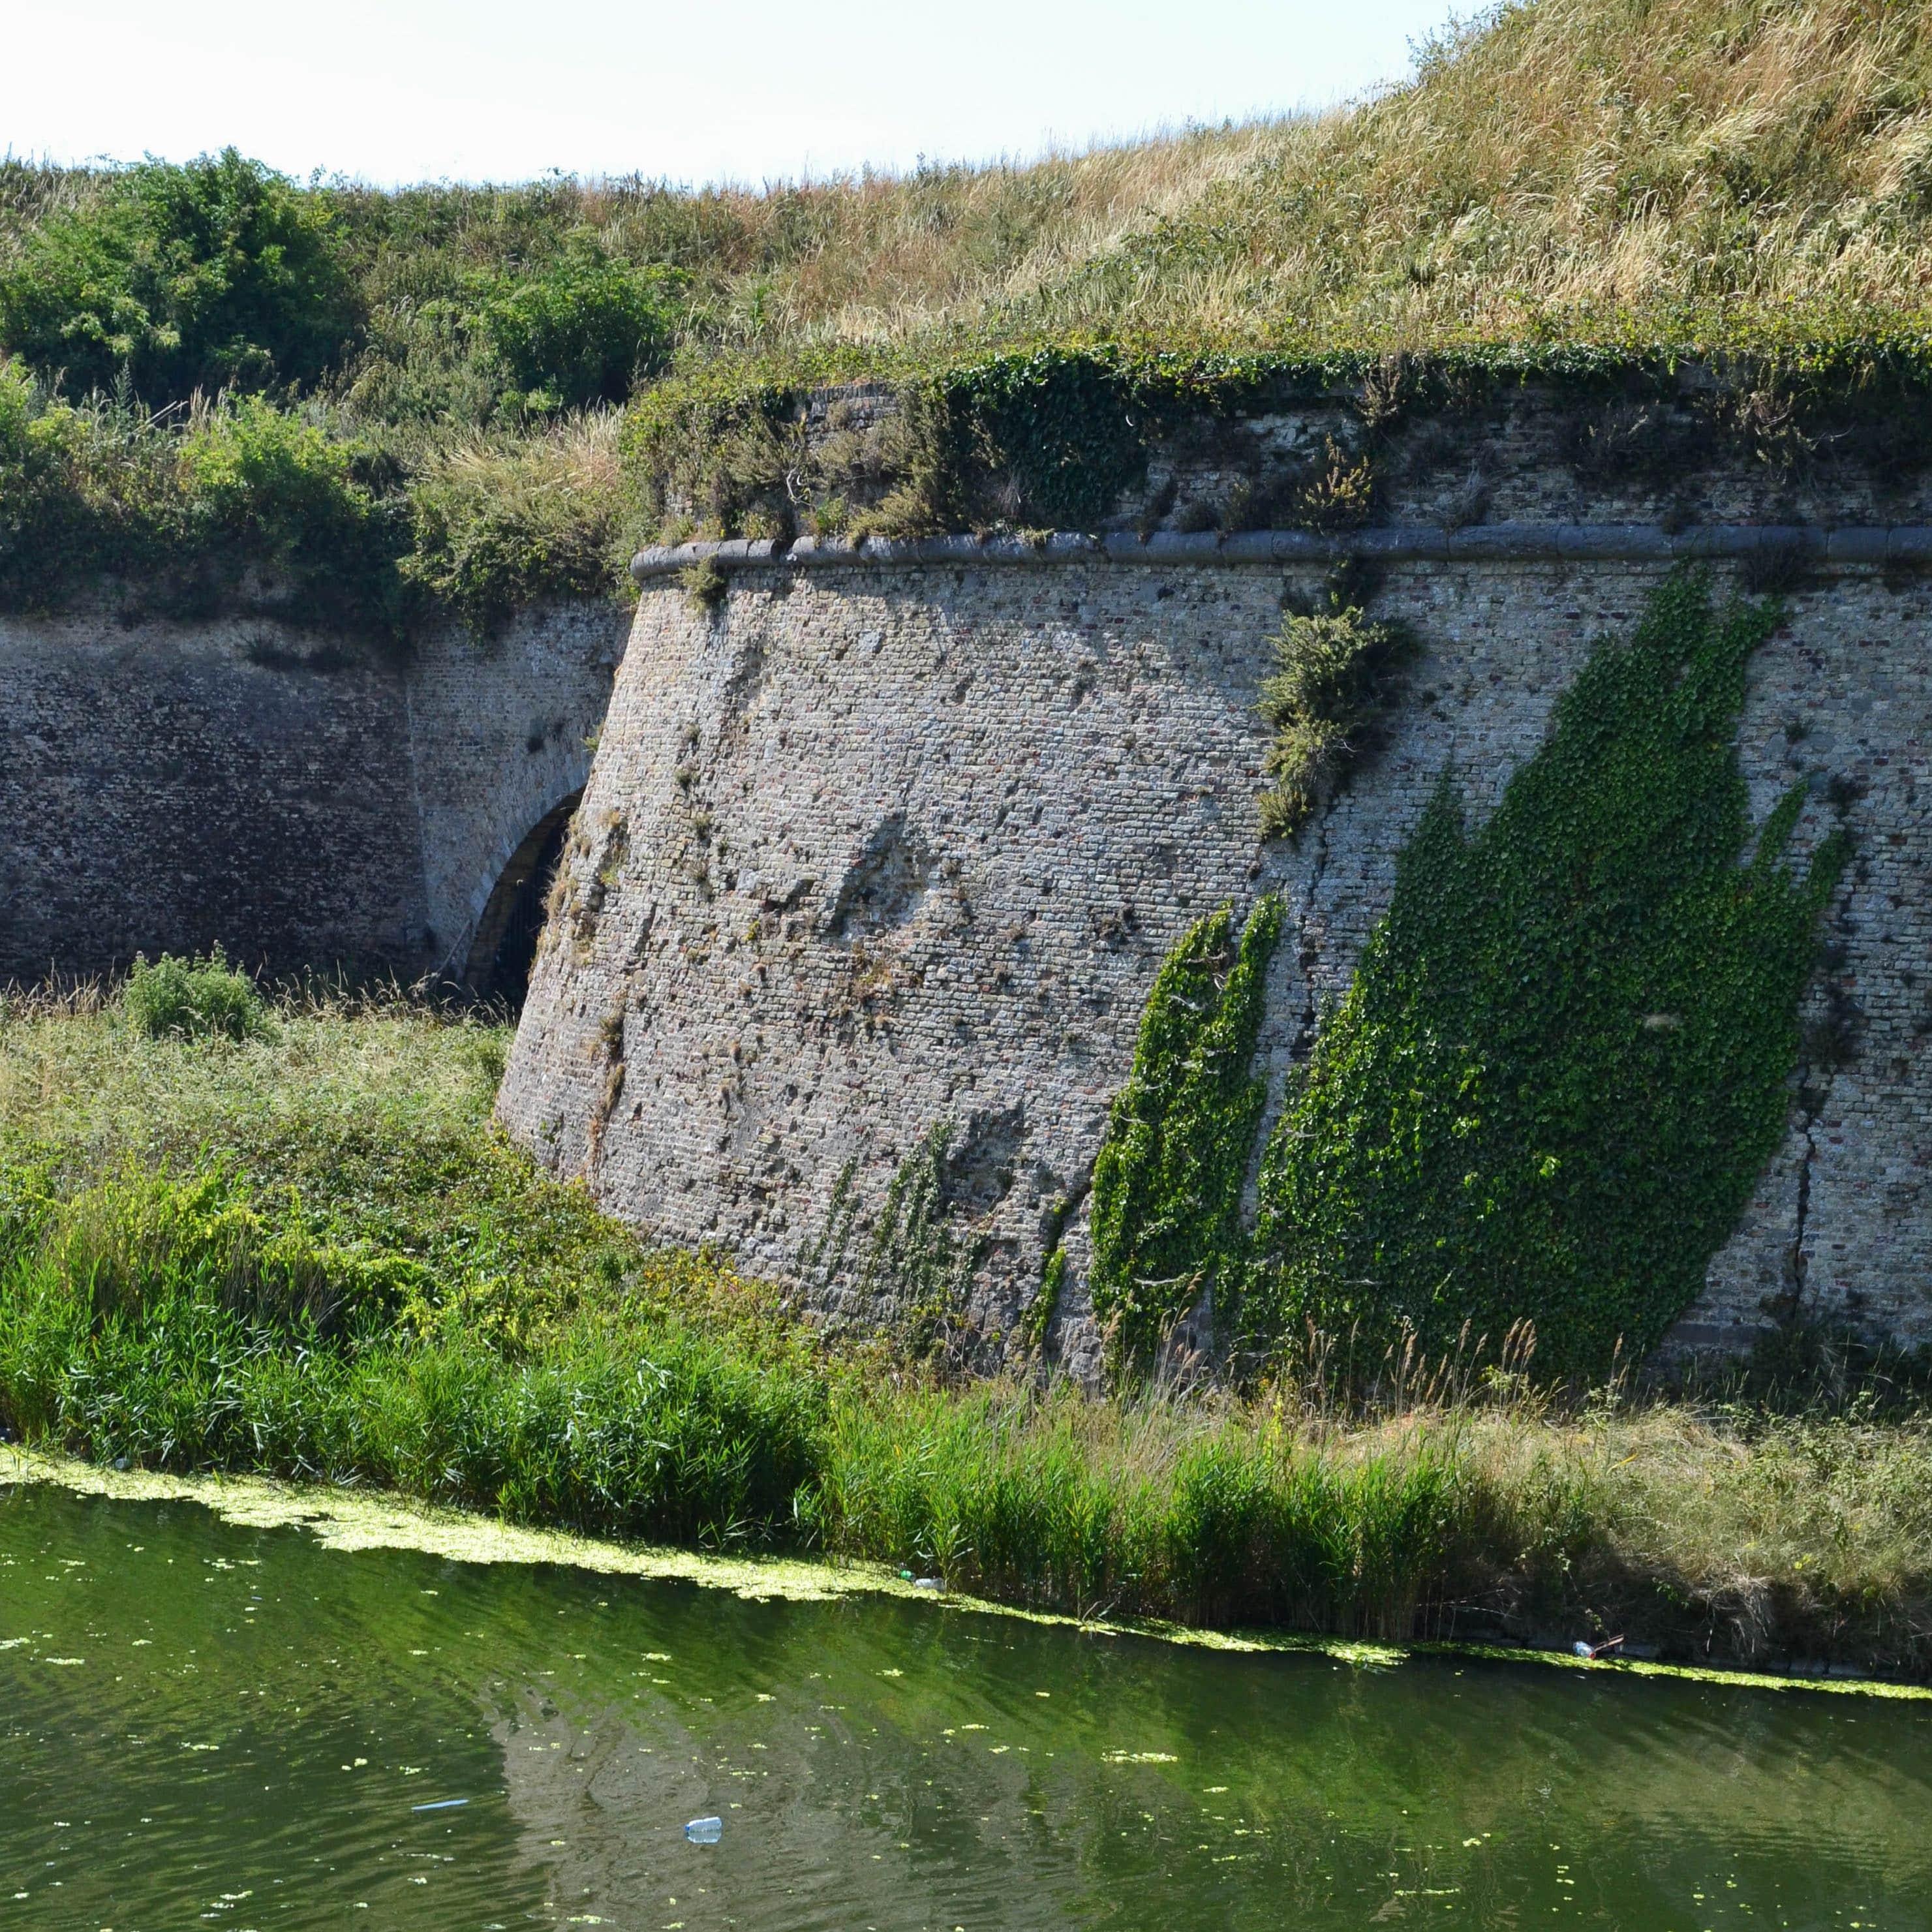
204	1724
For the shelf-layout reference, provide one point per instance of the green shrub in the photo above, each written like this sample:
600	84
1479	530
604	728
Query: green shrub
705	586
268	490
580	330
1064	430
219	273
82	491
1331	689
232	501
198	998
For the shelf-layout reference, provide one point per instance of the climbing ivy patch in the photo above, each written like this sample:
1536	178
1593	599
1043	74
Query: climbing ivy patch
1168	1184
1565	1056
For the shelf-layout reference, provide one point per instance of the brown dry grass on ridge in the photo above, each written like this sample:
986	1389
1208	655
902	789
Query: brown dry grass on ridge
1552	161
1548	163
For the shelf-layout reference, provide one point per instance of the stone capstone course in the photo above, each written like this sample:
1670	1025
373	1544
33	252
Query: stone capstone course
1905	543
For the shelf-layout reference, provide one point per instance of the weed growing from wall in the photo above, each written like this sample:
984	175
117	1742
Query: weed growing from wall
917	1263
705	586
1167	1185
1037	1318
1565	1056
1333	684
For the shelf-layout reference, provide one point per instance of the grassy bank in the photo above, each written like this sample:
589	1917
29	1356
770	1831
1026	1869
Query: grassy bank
304	1252
448	401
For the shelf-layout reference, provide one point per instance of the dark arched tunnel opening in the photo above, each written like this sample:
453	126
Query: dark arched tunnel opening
505	946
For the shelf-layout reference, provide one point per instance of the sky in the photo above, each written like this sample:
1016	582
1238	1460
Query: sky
476	90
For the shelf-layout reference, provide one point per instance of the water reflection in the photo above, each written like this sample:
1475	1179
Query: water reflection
200	1723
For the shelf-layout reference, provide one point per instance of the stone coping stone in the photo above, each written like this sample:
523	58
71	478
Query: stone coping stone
1640	543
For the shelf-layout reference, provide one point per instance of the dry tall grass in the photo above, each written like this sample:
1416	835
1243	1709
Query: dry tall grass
1564	157
1556	161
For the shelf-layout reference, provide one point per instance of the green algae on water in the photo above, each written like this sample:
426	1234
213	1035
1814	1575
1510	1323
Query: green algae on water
350	1520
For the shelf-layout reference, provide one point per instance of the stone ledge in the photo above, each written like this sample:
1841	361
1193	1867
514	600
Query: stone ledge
1635	543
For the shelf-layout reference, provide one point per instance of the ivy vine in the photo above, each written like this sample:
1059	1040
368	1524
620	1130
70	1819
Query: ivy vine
917	1264
1180	1138
1566	1054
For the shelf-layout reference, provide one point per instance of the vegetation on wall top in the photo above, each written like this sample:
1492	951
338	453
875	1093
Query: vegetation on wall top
218	275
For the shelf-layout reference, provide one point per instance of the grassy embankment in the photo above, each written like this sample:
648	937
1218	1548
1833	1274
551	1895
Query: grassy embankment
306	1252
456	400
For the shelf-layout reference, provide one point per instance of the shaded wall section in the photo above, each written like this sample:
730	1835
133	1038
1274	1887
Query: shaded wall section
304	804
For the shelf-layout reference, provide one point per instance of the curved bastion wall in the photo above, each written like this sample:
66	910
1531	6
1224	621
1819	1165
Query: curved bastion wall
169	786
887	841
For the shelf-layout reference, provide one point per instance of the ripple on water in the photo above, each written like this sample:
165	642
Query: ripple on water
208	1722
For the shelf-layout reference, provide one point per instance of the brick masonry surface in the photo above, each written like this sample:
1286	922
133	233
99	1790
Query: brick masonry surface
867	850
167	787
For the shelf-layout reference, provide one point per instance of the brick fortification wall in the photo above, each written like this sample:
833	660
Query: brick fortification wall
167	787
903	841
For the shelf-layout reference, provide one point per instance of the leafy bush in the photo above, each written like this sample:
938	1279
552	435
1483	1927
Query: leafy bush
581	330
192	999
81	491
219	273
264	488
233	500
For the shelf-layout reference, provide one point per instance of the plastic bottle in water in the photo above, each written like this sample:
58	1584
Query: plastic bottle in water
705	1830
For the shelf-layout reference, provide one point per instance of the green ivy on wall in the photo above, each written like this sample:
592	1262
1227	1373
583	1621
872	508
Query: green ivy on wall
1058	427
1563	1062
1565	1056
1167	1185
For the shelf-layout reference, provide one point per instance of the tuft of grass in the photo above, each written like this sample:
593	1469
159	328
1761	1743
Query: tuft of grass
501	522
191	999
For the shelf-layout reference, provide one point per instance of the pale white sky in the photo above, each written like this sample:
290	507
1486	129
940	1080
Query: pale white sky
407	90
